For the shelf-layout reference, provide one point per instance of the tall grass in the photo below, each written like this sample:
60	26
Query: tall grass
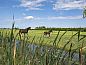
14	51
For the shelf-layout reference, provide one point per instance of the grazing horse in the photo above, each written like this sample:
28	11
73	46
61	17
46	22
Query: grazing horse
48	33
24	31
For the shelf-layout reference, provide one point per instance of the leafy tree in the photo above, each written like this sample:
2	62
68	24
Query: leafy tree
84	13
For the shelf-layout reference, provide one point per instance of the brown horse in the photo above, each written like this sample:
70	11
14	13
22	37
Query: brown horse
48	33
24	31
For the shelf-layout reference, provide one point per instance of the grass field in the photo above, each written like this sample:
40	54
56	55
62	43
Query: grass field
50	55
39	38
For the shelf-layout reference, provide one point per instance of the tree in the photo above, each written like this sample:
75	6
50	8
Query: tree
84	13
41	27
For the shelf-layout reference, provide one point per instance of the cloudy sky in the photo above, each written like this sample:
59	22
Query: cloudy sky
49	13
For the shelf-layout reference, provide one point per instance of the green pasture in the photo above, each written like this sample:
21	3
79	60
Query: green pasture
45	50
37	37
45	40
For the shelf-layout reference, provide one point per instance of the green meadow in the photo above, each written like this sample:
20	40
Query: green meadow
35	48
40	38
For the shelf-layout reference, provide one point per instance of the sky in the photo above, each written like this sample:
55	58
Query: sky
49	13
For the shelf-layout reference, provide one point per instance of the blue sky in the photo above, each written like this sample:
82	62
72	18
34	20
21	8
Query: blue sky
49	13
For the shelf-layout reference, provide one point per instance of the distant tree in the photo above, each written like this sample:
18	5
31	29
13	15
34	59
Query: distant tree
16	28
40	27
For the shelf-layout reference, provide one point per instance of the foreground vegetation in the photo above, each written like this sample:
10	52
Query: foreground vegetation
61	48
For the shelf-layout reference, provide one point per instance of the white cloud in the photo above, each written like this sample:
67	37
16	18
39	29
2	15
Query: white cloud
32	4
56	18
66	17
79	4
29	17
59	17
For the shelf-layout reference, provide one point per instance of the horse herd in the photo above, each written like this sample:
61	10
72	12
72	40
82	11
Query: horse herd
24	31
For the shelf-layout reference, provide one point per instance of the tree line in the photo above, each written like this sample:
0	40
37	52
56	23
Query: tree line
61	29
